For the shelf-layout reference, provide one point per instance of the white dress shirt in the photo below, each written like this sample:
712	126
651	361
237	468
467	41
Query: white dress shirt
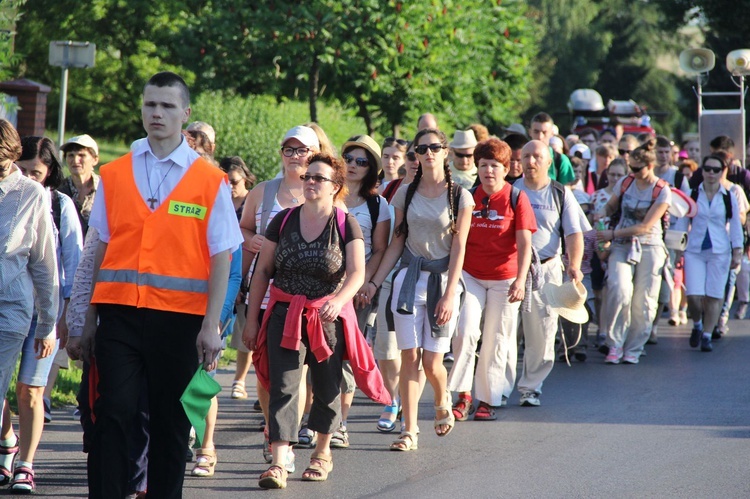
156	178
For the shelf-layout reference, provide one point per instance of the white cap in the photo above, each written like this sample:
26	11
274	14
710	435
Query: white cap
84	140
580	150
304	134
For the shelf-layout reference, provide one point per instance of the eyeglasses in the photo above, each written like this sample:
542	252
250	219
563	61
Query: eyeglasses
358	161
636	169
422	148
712	169
391	140
411	156
486	207
291	151
623	152
315	178
236	181
465	156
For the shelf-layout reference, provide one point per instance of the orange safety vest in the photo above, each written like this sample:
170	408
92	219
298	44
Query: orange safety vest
158	260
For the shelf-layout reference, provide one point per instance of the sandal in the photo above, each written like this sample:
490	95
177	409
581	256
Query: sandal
340	438
485	412
385	423
306	438
5	473
273	478
449	420
463	408
23	480
320	466
205	462
238	390
405	442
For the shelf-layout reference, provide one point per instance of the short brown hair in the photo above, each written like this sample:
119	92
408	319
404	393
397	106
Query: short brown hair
493	148
10	142
339	171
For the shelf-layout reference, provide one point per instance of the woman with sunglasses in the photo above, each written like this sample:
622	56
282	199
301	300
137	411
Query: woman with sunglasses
385	346
362	157
315	254
637	256
433	216
498	256
714	242
392	161
263	203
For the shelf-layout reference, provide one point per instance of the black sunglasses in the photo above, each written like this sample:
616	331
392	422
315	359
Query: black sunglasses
636	169
459	155
358	161
712	169
315	178
391	140
411	156
623	152
486	207
422	148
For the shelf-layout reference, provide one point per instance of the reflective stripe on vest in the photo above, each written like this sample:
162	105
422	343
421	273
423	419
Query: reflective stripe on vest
154	280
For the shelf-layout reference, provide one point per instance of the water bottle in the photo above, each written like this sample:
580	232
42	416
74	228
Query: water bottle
600	225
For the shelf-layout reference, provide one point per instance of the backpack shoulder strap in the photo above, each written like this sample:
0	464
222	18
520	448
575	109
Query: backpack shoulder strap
557	158
678	177
269	196
391	188
558	193
626	184
56	209
341	221
515	192
373	206
286	217
727	205
694	194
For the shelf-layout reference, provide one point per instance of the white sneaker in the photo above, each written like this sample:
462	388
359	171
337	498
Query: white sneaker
530	399
289	465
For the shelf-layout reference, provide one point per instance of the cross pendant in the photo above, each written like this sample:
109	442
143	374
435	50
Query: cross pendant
152	202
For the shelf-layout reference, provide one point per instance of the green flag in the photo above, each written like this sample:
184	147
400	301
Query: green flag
196	399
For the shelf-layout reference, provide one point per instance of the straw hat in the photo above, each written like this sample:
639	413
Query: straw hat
568	300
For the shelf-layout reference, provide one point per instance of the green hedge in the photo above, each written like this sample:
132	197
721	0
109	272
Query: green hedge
252	127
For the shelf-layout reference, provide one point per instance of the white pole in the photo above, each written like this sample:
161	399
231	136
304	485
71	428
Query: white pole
63	102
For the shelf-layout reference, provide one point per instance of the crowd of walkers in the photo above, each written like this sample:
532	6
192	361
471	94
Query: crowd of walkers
364	269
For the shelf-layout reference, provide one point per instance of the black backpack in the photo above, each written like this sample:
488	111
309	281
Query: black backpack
727	202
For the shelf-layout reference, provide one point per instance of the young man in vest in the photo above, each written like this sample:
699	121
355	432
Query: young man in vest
557	215
167	226
542	129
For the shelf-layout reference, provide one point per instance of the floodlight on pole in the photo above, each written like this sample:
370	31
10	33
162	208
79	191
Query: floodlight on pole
68	54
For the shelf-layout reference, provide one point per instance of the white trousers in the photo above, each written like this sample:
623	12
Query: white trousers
539	330
496	369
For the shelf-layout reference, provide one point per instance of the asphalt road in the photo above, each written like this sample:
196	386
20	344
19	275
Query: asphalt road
676	425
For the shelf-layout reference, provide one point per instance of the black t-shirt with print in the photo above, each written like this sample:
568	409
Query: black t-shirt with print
316	268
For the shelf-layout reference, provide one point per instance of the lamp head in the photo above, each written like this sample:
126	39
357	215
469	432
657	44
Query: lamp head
738	62
697	61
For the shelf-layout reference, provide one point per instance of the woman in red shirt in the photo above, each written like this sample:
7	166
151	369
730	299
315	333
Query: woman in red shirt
498	255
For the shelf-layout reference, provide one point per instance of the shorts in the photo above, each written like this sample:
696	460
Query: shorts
33	371
706	273
413	330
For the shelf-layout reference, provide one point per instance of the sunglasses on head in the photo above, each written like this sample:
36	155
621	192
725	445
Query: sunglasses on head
465	156
712	169
422	148
315	178
411	156
358	161
391	140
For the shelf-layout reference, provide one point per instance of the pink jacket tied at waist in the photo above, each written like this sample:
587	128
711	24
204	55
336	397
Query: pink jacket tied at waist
366	373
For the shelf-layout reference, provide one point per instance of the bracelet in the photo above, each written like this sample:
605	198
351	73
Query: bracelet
370	282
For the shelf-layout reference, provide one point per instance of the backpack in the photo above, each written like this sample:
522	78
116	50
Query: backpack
269	196
391	188
626	182
558	195
57	213
727	202
373	206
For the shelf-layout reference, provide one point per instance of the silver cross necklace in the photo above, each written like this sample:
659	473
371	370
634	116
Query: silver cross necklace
152	200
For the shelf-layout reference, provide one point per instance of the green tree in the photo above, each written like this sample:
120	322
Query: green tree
133	40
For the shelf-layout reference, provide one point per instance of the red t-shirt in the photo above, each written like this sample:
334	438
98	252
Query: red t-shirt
491	251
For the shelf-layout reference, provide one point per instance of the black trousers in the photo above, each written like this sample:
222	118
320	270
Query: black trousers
285	373
132	345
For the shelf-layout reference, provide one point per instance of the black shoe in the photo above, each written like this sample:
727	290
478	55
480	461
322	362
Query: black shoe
604	349
581	356
695	337
706	345
256	406
716	333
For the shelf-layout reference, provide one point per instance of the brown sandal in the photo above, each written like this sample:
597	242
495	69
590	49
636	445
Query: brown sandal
405	442
205	462
320	466
273	478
